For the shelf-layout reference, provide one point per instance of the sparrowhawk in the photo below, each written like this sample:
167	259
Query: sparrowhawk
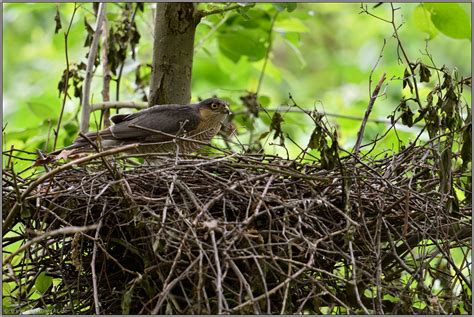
160	129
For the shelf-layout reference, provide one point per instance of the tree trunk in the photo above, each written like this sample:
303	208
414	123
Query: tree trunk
173	49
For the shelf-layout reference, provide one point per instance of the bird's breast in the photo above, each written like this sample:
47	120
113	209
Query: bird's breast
203	133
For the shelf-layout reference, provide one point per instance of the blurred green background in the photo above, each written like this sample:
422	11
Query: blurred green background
322	54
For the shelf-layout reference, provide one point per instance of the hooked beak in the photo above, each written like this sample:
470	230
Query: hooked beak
227	110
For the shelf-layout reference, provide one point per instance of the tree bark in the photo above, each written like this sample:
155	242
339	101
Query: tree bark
173	49
85	115
105	72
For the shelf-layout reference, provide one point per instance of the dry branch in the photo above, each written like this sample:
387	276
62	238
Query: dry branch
360	133
85	114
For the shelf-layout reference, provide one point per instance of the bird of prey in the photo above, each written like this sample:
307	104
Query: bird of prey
159	129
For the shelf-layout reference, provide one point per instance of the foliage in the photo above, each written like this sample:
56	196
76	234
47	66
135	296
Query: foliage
258	56
314	56
448	18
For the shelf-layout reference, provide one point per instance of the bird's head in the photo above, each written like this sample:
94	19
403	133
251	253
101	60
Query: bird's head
214	109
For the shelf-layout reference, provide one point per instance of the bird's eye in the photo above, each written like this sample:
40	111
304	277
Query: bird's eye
214	106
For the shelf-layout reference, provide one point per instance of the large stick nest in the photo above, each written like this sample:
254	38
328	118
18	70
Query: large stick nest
241	234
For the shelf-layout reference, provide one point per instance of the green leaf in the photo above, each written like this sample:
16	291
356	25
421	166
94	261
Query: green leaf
6	289
422	20
289	6
264	135
42	111
112	16
252	19
71	128
450	19
264	101
391	298
250	44
126	301
245	7
43	282
290	25
297	52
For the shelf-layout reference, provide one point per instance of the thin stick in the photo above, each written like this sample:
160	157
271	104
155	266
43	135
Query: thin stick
264	193
106	71
119	76
360	134
219	274
94	255
85	114
66	83
267	54
171	285
16	208
407	60
202	14
287	288
247	287
276	288
118	105
66	230
354	280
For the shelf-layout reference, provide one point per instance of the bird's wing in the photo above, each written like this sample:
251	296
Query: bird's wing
165	118
117	118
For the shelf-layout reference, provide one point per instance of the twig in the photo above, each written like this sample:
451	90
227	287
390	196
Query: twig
94	255
354	280
378	275
219	274
210	33
342	213
119	76
276	288
62	231
16	208
360	133
375	66
118	105
66	82
112	171
85	114
106	71
407	60
247	287
267	54
203	14
169	286
287	287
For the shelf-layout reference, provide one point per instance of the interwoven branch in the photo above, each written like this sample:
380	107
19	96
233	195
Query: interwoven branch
241	234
